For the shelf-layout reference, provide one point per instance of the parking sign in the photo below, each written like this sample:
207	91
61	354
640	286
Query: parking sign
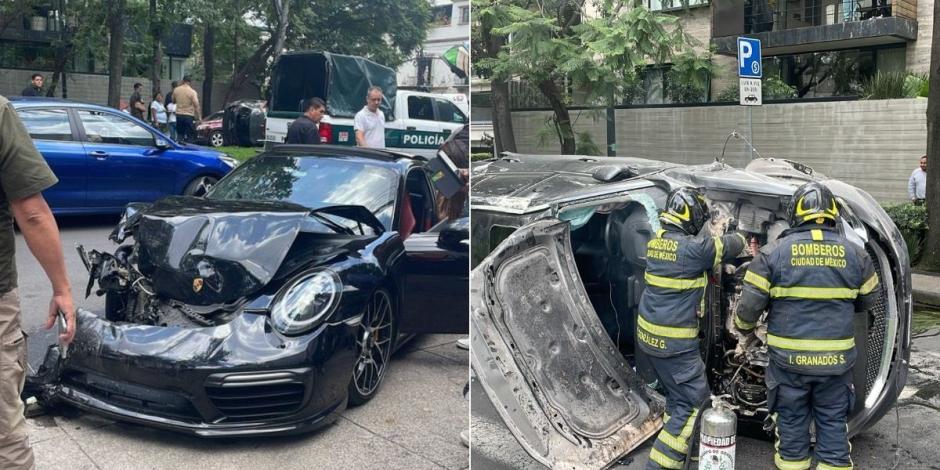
749	60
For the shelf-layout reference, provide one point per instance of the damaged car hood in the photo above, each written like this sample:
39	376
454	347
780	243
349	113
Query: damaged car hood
206	252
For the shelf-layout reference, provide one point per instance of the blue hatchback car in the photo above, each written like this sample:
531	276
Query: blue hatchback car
105	158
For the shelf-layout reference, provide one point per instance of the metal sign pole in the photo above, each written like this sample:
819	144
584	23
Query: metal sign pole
750	131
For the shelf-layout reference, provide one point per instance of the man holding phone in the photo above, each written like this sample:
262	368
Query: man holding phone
24	174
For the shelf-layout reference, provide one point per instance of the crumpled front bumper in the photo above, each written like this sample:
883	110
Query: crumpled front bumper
240	378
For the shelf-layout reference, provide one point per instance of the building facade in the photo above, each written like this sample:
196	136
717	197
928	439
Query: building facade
429	70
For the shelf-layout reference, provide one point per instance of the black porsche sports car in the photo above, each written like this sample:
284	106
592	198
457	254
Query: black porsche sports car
271	303
559	249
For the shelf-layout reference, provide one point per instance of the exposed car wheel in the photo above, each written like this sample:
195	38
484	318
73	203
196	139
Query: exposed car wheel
216	139
375	339
200	186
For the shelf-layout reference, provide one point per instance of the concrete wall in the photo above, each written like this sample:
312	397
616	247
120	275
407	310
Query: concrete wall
918	52
93	88
871	144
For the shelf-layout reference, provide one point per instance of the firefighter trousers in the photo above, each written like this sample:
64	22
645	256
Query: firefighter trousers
683	378
795	399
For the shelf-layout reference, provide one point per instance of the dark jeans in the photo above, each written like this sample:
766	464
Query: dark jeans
185	128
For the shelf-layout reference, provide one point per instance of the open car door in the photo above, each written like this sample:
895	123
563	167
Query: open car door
435	279
544	359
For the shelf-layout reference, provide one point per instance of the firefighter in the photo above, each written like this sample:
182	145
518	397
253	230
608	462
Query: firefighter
814	280
667	325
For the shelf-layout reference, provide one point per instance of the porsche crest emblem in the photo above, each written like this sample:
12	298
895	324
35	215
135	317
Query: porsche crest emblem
197	284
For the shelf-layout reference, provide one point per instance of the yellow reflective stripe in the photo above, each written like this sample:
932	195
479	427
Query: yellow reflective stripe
667	331
677	444
719	249
869	285
791	464
818	215
665	418
663	460
659	233
674	282
816	293
671	218
740	323
817	234
757	281
689	424
826	466
810	344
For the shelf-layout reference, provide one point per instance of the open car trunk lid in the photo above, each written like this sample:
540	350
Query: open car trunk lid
544	359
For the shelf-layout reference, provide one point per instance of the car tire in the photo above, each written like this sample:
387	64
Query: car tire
216	139
375	341
199	186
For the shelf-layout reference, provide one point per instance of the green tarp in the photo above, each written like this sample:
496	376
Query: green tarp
340	80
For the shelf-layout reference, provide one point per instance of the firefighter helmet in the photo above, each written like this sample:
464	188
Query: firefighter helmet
812	202
685	208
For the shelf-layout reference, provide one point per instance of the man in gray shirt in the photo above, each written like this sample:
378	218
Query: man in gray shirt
370	121
917	185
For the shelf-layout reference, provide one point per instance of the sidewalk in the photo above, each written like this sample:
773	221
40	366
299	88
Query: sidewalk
926	288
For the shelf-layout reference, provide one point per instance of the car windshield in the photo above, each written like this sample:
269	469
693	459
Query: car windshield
314	183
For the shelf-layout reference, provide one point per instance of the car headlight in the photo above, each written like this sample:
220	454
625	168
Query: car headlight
229	161
306	302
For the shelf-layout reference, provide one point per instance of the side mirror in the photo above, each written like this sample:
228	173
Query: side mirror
159	146
455	236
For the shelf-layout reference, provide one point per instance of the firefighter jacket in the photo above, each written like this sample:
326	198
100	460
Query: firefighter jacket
676	278
814	281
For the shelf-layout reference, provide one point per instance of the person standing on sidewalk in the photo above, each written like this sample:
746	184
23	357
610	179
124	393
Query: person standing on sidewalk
35	86
136	102
187	110
369	123
917	184
158	112
171	111
305	129
24	174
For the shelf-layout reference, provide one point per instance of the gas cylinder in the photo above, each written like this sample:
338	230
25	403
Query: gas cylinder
716	446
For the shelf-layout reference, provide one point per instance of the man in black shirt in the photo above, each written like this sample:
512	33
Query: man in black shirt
137	102
305	129
35	86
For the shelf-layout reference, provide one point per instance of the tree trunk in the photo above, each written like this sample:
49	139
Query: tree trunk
251	67
62	53
931	256
115	51
282	7
156	58
208	46
562	120
502	117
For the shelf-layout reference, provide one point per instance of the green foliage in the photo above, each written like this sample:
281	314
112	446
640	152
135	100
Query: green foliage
773	88
916	85
586	145
885	86
241	154
911	220
688	79
599	54
480	156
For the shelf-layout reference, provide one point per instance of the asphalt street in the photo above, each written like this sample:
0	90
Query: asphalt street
413	423
494	448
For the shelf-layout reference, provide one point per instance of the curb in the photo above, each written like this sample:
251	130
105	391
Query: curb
925	297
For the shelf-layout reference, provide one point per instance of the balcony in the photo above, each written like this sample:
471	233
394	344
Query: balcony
793	26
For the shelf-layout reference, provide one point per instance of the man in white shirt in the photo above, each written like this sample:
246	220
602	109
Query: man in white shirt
370	121
917	185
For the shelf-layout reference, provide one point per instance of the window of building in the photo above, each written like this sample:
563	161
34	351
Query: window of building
46	124
833	73
441	16
464	15
420	107
665	5
107	128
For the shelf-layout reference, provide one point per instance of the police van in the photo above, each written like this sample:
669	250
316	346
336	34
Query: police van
416	122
